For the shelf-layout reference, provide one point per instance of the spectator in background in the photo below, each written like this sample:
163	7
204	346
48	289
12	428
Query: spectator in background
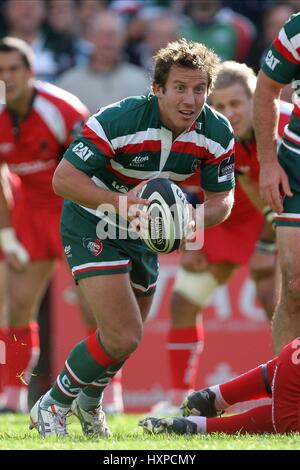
159	31
230	35
62	28
87	10
295	4
250	8
273	18
107	77
54	51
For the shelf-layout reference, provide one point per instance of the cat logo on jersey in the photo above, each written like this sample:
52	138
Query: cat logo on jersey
82	151
271	61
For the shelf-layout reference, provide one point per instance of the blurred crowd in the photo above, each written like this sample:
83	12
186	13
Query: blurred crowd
104	48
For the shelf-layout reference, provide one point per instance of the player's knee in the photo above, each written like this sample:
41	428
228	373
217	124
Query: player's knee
182	309
19	311
122	344
197	288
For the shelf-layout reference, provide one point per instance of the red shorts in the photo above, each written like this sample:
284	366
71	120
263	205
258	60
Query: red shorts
38	230
286	389
234	240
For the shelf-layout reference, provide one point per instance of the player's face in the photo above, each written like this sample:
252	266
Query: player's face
15	75
236	105
182	99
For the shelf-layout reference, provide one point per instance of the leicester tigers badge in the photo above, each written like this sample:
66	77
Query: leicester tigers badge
95	246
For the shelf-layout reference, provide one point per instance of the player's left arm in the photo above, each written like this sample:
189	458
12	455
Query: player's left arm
217	207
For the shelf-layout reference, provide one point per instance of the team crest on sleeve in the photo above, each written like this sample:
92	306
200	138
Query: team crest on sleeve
95	246
226	170
82	151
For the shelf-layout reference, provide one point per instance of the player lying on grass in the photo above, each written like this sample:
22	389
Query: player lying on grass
278	379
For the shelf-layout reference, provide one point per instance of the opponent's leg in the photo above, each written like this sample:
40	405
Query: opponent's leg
191	292
3	331
255	421
251	385
286	390
25	290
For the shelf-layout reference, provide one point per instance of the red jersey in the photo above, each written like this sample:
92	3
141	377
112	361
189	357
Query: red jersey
32	148
246	162
234	240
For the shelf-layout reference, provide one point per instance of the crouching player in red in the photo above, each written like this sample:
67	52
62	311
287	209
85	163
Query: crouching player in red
278	379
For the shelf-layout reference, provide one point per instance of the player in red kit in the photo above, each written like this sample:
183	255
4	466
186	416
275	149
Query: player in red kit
278	379
247	238
37	123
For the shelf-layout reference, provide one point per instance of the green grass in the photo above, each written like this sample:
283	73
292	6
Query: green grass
14	435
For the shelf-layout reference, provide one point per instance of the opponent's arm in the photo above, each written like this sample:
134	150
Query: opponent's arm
15	253
251	188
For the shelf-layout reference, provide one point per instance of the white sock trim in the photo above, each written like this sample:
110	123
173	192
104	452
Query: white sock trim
201	423
220	403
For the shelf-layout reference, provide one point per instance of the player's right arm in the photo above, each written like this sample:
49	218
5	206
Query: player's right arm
280	67
273	179
15	253
75	185
71	183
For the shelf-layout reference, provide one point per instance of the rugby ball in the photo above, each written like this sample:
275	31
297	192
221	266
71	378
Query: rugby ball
169	215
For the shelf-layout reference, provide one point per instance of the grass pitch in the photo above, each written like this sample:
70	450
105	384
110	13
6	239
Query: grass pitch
15	435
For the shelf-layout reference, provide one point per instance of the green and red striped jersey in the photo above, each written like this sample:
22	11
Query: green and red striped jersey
282	64
126	143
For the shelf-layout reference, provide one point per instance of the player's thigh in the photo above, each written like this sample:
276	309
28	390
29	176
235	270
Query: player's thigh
112	302
85	309
286	389
26	288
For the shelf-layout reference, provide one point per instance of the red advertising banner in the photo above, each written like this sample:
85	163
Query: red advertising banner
237	335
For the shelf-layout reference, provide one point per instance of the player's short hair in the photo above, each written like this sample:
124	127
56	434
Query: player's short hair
11	44
185	53
231	72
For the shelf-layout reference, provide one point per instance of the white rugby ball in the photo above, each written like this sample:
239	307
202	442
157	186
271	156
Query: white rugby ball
169	215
